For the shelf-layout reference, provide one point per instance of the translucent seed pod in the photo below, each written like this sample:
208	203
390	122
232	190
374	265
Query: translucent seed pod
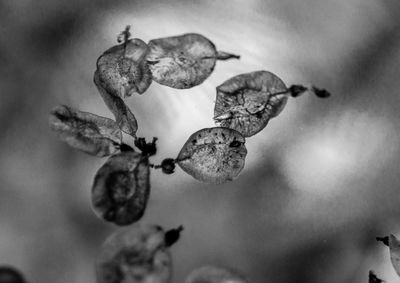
123	115
183	61
212	274
123	69
213	155
85	131
394	246
247	102
137	254
121	188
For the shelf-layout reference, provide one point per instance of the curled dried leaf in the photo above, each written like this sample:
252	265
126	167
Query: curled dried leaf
121	188
123	115
85	131
123	69
136	255
183	61
213	155
212	274
248	101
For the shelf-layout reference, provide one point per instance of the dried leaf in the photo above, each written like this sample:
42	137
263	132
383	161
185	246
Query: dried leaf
213	155
394	245
123	115
183	61
124	70
121	188
135	255
212	274
248	101
85	131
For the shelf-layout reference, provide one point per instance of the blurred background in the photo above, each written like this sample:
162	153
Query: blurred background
320	182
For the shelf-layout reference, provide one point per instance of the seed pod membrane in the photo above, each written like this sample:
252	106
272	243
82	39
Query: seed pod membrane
124	70
394	245
121	188
212	274
213	155
123	115
85	131
183	61
135	255
248	101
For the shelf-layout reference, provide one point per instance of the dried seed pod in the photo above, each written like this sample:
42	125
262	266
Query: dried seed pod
213	155
85	131
121	188
123	69
394	246
212	274
248	101
9	274
183	61
123	115
135	255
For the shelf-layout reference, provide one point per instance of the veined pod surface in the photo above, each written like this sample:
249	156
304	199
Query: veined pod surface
121	188
137	254
123	115
213	155
212	274
394	246
93	134
248	101
183	61
123	69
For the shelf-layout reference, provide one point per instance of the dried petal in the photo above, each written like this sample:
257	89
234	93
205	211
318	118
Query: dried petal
248	101
123	115
213	155
394	245
121	188
85	131
124	70
135	255
183	61
212	274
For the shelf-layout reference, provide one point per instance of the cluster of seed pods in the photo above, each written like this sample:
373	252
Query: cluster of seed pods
121	188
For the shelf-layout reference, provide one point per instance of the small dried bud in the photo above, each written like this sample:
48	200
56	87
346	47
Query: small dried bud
168	166
172	236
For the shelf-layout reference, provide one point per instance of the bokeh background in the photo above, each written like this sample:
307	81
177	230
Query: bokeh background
321	181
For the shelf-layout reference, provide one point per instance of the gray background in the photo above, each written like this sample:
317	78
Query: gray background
321	181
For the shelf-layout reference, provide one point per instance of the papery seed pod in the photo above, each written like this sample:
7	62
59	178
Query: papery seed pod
248	101
212	274
183	61
394	246
121	188
85	131
213	155
9	274
135	255
123	115
123	69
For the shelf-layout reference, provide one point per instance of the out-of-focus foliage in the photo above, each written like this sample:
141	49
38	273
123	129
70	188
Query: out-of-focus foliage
320	182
